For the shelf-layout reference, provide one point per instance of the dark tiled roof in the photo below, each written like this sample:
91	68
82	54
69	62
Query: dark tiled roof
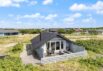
44	37
8	31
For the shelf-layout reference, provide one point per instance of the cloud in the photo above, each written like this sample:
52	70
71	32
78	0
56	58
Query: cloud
76	15
13	3
78	7
37	16
89	20
97	7
29	16
46	2
72	18
51	16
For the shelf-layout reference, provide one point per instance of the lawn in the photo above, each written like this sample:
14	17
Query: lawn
93	62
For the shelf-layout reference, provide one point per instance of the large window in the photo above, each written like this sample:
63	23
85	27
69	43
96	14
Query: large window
62	45
53	45
57	45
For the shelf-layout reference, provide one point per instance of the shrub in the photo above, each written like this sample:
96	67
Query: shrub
17	48
98	62
92	45
30	31
15	64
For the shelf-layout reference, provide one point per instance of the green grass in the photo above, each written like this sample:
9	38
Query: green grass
92	45
90	63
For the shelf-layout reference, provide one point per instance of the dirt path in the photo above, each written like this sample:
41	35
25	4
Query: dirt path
8	45
28	59
4	47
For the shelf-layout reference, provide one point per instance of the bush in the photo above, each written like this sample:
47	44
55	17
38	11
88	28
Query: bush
70	31
92	45
30	31
61	31
17	48
66	31
15	64
98	62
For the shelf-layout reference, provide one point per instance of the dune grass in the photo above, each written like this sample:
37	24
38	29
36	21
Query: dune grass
90	63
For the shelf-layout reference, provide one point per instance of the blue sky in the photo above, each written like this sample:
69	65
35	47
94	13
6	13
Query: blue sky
51	13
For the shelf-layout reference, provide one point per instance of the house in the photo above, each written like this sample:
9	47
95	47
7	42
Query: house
78	31
51	47
5	32
98	32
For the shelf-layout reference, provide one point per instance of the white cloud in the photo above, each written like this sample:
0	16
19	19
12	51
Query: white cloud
78	7
5	2
37	16
46	2
69	20
14	3
97	7
51	16
30	16
72	18
76	15
89	20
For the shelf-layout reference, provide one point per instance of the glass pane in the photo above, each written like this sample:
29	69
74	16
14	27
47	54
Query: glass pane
57	45
53	45
61	44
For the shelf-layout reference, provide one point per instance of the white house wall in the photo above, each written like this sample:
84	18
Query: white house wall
44	48
1	34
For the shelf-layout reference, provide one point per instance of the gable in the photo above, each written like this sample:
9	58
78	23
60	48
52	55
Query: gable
44	37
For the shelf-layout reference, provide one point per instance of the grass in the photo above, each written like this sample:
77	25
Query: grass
84	37
16	39
90	63
9	40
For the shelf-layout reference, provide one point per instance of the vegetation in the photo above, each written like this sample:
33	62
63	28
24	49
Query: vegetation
92	62
30	31
92	45
17	48
16	39
68	31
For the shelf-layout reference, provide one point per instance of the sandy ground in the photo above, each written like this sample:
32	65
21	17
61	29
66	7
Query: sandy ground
4	47
8	45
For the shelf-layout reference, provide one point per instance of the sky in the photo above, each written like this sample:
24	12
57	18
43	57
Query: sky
51	13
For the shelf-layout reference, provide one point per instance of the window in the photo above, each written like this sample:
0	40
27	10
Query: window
61	44
57	45
53	45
